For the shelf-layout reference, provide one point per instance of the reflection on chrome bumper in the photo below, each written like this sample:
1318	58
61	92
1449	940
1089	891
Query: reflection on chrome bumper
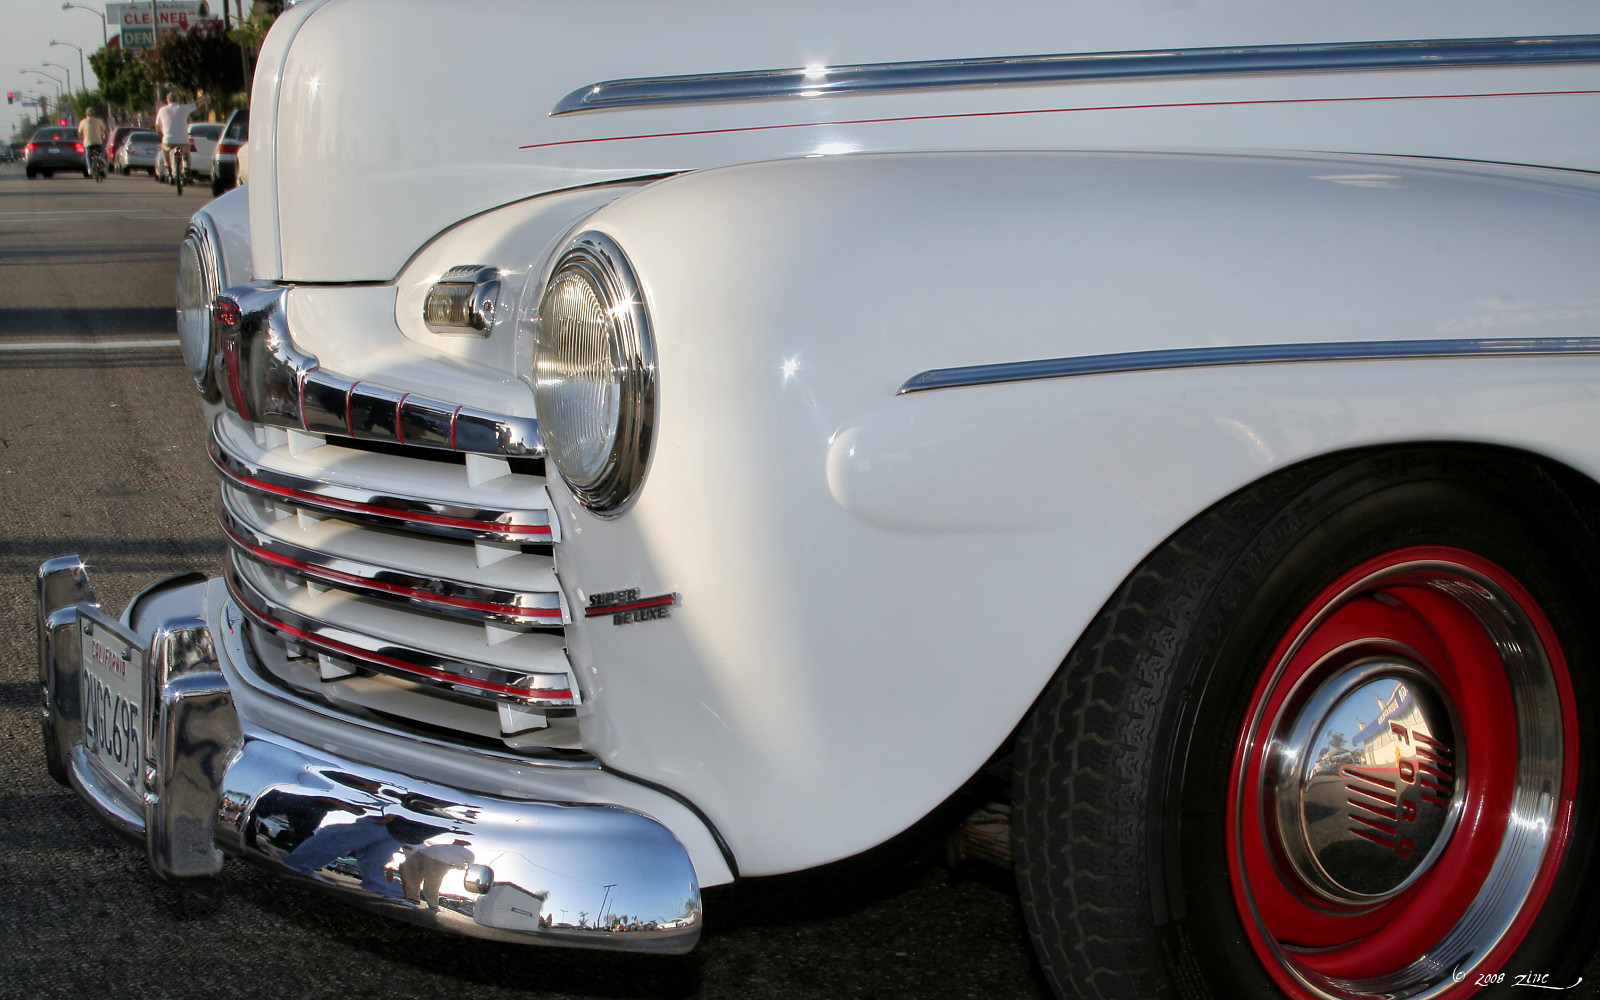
506	869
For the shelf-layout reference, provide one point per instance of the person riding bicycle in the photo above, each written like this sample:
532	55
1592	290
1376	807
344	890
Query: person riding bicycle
172	122
92	133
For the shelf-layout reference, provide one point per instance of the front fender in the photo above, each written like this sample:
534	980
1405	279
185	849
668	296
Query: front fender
875	587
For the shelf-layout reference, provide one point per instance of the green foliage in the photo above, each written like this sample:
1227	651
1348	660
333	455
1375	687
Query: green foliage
196	60
123	80
253	29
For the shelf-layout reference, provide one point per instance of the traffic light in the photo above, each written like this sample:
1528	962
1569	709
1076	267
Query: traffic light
11	97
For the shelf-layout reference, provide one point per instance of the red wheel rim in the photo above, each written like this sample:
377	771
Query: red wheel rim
1389	826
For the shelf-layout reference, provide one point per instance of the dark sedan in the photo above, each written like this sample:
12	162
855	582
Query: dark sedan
55	148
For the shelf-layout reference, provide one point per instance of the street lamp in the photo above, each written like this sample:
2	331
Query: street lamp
62	69
83	78
49	76
105	29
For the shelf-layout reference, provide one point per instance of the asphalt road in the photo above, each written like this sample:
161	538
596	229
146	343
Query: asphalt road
101	454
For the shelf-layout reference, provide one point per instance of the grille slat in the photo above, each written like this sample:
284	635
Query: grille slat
378	489
445	654
322	558
365	571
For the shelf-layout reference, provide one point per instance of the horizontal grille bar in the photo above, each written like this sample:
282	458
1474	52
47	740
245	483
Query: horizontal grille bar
266	379
451	597
478	680
415	513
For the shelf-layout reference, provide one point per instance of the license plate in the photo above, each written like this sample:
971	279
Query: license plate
113	701
55	149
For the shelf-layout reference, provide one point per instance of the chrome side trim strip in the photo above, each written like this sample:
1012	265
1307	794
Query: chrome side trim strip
1211	357
266	379
473	680
760	85
431	517
440	596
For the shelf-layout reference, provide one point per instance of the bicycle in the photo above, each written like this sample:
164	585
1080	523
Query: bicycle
175	161
97	163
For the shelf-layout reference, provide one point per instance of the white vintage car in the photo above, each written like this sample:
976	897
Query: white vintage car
737	428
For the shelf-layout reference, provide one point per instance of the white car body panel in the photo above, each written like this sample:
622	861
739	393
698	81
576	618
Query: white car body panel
852	559
345	154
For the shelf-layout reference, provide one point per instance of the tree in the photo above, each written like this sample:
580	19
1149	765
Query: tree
198	59
249	33
123	80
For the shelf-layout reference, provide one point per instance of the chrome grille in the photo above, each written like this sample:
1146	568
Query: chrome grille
381	582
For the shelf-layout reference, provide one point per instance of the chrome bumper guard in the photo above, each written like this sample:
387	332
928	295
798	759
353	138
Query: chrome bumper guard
214	786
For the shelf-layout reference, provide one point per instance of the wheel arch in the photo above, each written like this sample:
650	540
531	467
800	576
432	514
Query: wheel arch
1528	481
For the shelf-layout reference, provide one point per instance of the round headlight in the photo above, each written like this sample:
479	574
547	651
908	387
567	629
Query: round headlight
594	374
198	285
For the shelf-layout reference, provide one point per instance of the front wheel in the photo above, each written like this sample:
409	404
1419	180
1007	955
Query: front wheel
1326	743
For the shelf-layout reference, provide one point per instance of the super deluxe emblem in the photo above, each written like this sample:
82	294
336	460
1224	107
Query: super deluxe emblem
626	606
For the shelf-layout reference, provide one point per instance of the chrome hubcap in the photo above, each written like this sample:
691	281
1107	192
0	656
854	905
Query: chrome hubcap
1366	791
1398	813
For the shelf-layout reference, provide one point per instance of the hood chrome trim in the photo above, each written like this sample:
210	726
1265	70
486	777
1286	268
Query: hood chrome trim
827	81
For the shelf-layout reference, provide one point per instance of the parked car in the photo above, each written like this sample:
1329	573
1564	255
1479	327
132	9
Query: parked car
138	151
203	138
54	148
739	433
225	165
115	139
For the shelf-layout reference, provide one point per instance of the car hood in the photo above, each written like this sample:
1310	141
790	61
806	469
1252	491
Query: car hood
380	123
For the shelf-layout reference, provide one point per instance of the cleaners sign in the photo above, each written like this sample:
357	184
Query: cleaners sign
139	22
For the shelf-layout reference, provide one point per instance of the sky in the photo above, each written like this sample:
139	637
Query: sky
27	27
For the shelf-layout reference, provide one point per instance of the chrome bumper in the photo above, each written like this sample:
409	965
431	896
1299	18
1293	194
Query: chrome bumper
213	785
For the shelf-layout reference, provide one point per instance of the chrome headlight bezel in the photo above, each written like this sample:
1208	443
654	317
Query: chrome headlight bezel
606	481
200	269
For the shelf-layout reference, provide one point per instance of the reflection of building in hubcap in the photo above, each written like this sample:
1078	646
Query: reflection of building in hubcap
1367	782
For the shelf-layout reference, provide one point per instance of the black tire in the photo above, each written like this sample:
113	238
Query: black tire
32	173
1153	851
217	187
49	174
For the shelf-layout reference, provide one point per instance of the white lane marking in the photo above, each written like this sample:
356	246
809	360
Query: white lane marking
86	345
63	214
